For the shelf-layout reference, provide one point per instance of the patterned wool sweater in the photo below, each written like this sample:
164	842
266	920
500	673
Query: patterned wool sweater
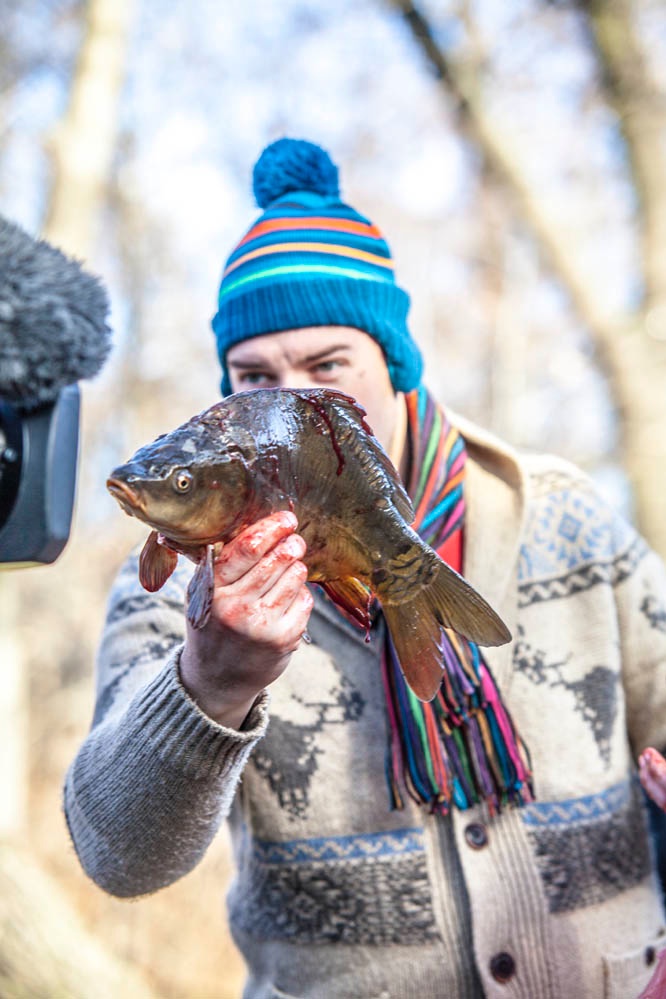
337	896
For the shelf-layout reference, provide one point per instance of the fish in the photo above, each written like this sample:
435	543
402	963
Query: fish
310	451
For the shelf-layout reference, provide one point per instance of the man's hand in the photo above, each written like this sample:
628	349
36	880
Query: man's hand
652	775
260	611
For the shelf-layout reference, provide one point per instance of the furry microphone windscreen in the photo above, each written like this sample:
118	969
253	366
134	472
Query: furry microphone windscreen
53	328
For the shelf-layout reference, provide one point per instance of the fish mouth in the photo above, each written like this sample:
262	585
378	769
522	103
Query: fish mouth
128	499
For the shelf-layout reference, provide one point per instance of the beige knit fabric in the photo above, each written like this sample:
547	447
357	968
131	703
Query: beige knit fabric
336	896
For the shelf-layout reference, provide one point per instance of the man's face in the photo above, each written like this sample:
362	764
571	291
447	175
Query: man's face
338	357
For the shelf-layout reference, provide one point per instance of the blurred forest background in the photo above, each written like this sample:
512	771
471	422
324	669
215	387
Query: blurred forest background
514	154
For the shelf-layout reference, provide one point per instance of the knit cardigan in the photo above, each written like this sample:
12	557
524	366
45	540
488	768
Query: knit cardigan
334	894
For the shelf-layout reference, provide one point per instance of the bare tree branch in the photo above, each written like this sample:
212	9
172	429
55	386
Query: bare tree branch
641	112
634	363
461	83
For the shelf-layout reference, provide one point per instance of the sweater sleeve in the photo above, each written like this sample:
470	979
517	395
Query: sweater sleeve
155	777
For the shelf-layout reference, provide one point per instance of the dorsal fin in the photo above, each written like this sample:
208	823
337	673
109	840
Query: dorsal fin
333	403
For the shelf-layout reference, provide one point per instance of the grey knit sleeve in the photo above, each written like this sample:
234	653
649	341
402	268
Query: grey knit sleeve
155	777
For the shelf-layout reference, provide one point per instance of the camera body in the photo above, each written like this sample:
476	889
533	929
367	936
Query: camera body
38	462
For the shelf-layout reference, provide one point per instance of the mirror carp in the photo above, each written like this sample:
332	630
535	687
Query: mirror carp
312	452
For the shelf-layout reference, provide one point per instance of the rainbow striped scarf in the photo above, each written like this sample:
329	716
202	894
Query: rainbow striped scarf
462	745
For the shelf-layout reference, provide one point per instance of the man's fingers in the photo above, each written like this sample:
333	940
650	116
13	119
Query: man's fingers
276	619
264	574
283	560
293	602
287	587
652	774
654	789
261	594
242	554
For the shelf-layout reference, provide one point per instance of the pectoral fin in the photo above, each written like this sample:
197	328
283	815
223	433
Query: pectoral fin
156	563
200	590
351	596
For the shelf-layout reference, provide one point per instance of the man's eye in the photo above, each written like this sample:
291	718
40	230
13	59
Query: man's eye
254	378
327	368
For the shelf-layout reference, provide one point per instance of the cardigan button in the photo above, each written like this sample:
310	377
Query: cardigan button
476	835
650	954
502	967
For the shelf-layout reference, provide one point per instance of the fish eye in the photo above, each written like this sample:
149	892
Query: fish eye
181	480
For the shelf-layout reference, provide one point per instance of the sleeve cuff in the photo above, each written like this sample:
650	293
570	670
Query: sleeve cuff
186	738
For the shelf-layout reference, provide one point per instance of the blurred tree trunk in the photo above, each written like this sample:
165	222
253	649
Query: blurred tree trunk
84	144
631	348
638	352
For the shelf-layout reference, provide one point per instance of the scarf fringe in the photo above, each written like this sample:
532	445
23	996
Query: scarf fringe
462	746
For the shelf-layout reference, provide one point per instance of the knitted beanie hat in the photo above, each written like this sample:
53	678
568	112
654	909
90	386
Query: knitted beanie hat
311	260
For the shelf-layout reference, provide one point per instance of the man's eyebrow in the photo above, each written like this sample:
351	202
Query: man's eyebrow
250	363
312	358
257	362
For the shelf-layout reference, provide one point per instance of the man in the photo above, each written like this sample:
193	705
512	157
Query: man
377	850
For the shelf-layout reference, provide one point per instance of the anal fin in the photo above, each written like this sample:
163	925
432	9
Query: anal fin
352	597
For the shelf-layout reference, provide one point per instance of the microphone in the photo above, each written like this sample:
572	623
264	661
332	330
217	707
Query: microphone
53	333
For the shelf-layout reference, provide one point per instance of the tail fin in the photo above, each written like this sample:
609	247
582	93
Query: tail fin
415	625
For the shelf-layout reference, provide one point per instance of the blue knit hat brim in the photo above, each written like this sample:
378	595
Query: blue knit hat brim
374	307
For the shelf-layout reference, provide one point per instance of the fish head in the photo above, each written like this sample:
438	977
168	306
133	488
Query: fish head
191	485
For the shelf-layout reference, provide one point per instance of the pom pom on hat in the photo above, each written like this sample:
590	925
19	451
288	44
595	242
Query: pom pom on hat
311	260
293	165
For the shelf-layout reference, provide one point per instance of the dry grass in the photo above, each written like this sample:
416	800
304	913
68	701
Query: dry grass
175	942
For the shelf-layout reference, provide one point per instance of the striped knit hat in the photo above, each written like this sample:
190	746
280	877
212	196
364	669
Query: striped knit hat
311	260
